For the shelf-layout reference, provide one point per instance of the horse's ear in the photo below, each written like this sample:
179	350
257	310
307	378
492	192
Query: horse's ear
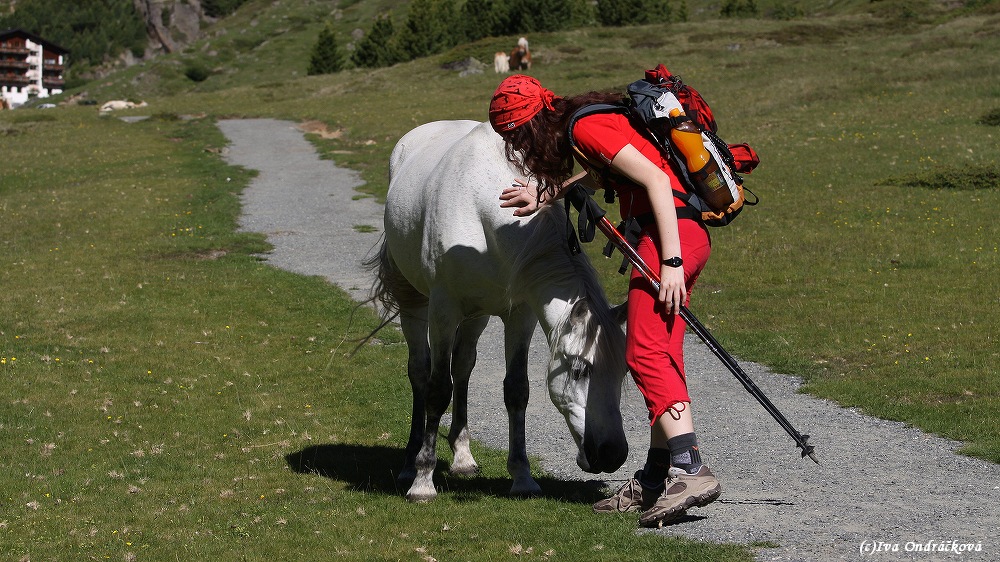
620	312
579	312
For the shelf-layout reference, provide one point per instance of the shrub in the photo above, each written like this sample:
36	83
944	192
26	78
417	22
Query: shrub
786	12
972	177
991	118
220	8
197	72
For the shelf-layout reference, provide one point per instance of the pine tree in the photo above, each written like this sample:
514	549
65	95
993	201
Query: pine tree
584	14
484	18
739	8
682	12
658	11
326	57
378	48
546	15
631	12
430	28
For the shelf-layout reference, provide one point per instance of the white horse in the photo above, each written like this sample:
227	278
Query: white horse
450	259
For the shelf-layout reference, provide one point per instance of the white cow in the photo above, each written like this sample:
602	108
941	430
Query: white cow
501	63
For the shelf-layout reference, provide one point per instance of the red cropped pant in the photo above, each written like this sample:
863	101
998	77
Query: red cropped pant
655	339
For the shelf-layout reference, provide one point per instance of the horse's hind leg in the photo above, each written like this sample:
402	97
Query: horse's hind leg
463	360
442	327
418	368
517	337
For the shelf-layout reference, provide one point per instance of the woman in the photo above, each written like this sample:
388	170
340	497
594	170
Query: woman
533	122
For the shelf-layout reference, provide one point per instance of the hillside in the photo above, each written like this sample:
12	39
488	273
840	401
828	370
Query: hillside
232	42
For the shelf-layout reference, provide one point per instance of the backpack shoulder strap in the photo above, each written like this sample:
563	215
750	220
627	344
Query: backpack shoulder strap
600	168
584	111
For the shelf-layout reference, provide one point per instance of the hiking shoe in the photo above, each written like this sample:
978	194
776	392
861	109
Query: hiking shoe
630	497
682	491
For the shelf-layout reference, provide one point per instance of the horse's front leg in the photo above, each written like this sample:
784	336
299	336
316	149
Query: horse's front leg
518	328
463	360
441	329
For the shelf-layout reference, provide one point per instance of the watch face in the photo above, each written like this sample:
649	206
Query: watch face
674	262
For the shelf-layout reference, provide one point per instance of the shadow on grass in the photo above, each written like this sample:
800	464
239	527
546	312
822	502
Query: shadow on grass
374	469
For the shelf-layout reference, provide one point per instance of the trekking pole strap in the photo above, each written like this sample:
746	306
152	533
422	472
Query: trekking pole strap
590	213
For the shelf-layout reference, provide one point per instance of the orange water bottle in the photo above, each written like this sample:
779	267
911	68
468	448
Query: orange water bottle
702	167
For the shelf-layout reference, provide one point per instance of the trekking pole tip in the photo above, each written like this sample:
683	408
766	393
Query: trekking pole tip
807	449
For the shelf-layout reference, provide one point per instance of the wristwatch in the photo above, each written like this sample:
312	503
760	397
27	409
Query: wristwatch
675	261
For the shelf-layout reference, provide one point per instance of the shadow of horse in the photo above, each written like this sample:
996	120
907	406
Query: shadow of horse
369	468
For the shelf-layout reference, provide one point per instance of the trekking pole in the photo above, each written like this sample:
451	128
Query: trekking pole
580	199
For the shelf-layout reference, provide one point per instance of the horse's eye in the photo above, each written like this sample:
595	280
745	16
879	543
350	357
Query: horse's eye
581	369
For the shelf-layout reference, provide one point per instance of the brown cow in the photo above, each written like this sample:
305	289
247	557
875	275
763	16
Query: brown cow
520	57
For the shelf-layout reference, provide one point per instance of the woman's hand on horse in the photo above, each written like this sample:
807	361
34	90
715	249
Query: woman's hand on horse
521	195
673	291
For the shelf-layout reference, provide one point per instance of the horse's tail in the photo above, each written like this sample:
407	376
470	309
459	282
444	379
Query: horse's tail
391	292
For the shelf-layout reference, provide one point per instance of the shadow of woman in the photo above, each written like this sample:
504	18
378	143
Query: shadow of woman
374	469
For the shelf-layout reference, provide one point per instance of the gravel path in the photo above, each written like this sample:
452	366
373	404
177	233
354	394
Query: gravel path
884	490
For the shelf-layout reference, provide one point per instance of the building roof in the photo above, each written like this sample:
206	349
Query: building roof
44	42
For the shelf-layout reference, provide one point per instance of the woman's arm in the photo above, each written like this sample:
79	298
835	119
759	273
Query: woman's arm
632	164
524	196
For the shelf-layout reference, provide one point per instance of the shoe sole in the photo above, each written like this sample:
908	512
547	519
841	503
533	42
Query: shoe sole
635	508
700	500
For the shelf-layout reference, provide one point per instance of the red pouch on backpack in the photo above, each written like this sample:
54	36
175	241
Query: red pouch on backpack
744	158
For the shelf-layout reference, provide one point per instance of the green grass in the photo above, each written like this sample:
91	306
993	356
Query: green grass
159	380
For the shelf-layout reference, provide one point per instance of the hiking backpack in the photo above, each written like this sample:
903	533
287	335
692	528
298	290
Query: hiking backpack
648	107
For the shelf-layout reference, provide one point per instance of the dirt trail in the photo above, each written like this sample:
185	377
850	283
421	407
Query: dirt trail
881	485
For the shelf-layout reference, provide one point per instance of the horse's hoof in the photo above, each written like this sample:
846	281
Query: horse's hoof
420	497
421	493
464	471
526	490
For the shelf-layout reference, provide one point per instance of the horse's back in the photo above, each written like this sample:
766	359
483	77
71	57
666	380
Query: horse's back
427	143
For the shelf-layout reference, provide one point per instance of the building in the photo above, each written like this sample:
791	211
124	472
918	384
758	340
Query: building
30	67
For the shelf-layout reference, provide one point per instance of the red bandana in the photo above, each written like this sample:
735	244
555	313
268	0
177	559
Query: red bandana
517	99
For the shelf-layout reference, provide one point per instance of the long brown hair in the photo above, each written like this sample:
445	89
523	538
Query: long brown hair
540	147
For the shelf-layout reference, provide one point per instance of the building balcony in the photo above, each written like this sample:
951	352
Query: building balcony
14	50
51	83
4	63
47	67
14	79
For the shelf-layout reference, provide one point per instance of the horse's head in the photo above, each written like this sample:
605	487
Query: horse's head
586	371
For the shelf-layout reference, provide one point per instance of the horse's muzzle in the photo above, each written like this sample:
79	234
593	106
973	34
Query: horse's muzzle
607	455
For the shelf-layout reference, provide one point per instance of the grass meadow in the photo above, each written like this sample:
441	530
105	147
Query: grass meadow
167	395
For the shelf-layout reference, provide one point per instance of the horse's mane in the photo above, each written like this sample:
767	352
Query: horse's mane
547	260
